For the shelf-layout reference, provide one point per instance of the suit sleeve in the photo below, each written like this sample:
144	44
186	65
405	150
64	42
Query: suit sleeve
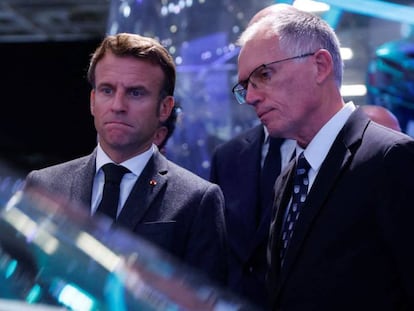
209	233
397	213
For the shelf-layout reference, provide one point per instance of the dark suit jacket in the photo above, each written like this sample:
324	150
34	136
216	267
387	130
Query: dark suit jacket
352	248
181	212
235	167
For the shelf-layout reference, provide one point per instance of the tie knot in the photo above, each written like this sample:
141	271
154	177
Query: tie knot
302	166
114	173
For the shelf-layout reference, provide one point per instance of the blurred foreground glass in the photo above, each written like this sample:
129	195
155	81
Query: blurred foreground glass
55	254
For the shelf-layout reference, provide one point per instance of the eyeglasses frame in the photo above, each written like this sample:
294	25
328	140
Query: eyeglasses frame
246	81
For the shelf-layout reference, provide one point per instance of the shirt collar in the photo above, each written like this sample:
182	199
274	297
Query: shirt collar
135	164
318	148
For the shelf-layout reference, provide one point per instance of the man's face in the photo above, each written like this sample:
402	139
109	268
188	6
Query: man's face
285	100
126	104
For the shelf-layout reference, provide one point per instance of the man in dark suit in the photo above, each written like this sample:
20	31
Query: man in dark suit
236	167
341	229
133	80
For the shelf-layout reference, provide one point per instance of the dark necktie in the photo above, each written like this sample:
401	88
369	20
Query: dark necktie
300	191
113	176
270	171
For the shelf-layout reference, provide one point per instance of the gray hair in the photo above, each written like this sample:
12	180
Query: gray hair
299	33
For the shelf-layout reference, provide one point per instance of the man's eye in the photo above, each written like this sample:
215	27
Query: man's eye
137	93
265	74
106	90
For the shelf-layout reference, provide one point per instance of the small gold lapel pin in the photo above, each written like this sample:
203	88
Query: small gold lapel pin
152	182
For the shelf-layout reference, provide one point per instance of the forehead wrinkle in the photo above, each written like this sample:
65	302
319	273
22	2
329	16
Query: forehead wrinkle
271	53
127	74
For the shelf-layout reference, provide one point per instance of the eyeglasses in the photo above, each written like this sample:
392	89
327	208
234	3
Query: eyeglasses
259	78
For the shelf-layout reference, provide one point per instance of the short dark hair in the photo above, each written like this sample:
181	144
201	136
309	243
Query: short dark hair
145	48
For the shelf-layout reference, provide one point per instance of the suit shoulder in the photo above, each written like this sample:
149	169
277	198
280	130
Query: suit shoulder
58	173
239	141
185	176
385	136
65	166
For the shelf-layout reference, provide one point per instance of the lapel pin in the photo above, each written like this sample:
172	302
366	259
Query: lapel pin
152	182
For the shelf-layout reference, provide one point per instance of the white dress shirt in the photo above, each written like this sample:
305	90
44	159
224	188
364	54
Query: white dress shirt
135	165
317	150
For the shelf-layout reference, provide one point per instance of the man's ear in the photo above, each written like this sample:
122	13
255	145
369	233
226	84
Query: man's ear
324	64
92	101
160	135
166	106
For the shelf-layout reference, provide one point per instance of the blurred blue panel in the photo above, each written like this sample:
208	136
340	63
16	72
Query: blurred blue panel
333	16
379	9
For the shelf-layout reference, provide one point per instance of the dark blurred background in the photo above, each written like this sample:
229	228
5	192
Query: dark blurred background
44	52
45	116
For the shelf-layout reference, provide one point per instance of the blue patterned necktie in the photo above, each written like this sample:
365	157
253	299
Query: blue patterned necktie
300	191
113	176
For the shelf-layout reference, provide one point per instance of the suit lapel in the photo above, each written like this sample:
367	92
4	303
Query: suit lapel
81	185
338	158
145	190
283	188
249	176
267	215
249	188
